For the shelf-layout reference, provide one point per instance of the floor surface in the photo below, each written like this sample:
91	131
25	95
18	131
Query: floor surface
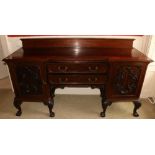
72	107
5	83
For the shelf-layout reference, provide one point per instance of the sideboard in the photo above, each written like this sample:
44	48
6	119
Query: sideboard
44	64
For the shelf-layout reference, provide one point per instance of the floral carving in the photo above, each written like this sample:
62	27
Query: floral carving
29	80
127	78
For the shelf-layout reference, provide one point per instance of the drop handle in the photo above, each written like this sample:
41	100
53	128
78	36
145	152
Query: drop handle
93	69
92	79
61	68
63	80
44	82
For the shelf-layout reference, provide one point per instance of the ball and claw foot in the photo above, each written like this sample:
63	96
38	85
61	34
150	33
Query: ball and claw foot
19	113
102	114
135	114
52	114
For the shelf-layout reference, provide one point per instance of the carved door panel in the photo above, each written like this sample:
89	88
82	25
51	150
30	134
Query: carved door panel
126	79
28	79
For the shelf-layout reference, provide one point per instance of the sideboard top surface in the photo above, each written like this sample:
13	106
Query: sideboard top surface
61	54
73	49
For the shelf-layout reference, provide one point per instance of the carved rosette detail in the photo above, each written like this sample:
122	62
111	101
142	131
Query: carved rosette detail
29	80
127	78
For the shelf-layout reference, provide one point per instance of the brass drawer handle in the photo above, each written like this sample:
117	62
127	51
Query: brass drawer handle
93	69
92	79
44	82
63	79
60	68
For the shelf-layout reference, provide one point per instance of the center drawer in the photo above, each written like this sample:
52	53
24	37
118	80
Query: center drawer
77	79
77	68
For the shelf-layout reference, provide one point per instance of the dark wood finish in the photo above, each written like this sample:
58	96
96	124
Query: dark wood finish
137	105
77	79
67	35
77	42
111	65
128	79
77	67
17	103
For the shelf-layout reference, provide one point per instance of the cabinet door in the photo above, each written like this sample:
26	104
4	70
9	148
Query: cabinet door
27	79
126	79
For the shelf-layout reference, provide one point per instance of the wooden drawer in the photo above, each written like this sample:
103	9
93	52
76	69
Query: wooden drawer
77	79
77	68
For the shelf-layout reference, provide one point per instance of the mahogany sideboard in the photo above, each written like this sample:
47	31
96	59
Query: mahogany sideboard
45	64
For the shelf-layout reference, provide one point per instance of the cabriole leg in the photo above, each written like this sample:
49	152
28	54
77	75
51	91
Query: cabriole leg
50	106
137	105
105	103
17	104
50	102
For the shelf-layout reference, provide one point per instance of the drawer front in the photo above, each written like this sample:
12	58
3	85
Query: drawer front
77	79
77	68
